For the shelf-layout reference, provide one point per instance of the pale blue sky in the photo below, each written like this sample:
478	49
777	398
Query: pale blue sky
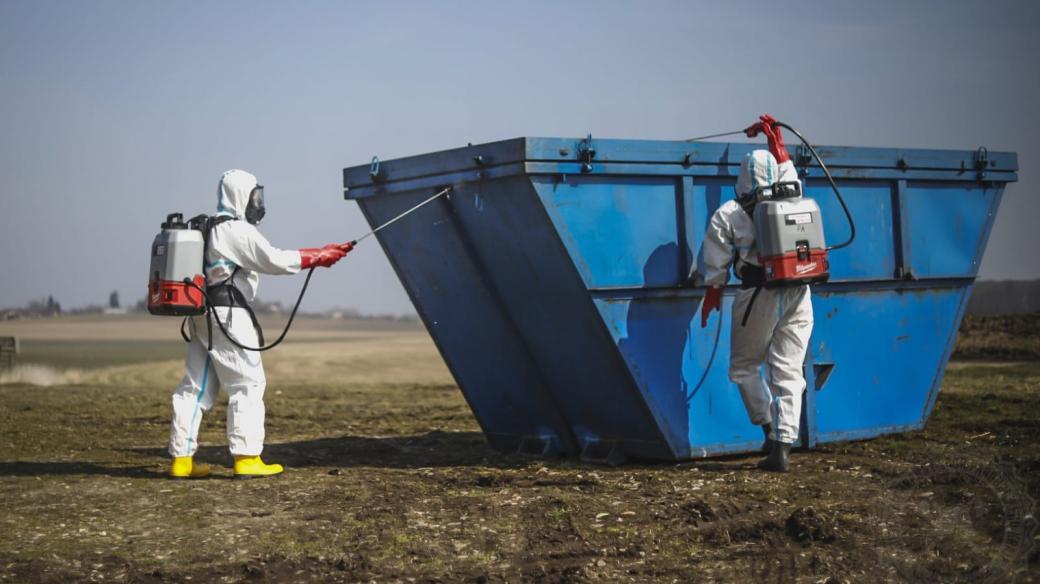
113	114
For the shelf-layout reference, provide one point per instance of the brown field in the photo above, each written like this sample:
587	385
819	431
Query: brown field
389	479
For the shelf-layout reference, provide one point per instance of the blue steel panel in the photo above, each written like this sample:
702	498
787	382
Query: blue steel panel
612	226
526	264
454	160
667	352
948	222
470	326
951	342
693	212
872	255
652	335
905	330
702	200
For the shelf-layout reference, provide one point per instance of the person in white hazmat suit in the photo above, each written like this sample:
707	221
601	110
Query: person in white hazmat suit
775	330
237	254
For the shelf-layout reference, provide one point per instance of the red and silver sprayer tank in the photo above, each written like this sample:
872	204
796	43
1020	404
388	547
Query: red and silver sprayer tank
177	255
789	232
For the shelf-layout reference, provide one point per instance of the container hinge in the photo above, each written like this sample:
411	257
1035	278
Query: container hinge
586	152
981	159
375	172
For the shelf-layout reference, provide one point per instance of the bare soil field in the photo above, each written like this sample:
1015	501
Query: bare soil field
390	480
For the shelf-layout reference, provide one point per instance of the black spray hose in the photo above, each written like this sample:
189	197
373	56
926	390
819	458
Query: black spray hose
711	360
212	311
830	179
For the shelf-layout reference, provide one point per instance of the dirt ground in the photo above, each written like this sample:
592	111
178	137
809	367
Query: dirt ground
389	479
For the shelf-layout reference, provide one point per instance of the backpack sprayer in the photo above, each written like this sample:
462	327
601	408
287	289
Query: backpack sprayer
789	235
789	231
177	284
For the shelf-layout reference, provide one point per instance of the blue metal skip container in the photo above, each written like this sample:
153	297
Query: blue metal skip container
554	281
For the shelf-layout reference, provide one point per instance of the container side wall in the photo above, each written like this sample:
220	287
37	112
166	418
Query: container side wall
523	257
947	222
620	231
872	255
671	358
887	348
468	322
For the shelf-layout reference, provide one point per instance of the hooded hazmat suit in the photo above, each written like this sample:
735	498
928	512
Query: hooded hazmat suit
240	373
780	323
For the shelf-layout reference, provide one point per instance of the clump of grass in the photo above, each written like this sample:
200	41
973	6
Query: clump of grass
1002	337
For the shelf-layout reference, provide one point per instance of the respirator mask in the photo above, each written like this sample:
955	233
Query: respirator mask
255	207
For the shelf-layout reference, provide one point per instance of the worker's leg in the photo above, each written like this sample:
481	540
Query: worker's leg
786	358
241	374
748	345
193	396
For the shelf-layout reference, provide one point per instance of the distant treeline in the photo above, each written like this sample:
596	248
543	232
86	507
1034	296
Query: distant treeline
1005	297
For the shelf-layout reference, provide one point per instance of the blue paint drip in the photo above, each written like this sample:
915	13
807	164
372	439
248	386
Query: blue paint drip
198	400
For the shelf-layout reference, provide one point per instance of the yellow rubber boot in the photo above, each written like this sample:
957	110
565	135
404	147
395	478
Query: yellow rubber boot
184	468
251	467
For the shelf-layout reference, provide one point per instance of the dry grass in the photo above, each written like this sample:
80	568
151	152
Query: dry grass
390	480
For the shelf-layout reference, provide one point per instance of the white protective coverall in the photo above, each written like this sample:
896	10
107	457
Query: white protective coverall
781	320
237	371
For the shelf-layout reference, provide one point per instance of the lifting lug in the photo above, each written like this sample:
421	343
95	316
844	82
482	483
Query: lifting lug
586	152
981	160
802	156
375	172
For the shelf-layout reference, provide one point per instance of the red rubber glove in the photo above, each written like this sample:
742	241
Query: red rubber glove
775	139
325	256
753	130
712	301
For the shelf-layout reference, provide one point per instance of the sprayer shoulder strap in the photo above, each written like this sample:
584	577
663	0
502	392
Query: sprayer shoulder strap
211	224
748	204
227	294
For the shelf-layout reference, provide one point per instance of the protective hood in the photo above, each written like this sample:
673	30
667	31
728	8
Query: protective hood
233	193
758	169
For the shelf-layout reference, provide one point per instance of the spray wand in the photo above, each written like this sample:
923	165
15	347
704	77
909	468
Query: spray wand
346	247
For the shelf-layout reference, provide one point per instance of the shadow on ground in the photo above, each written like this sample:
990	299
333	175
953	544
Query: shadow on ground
62	468
432	450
